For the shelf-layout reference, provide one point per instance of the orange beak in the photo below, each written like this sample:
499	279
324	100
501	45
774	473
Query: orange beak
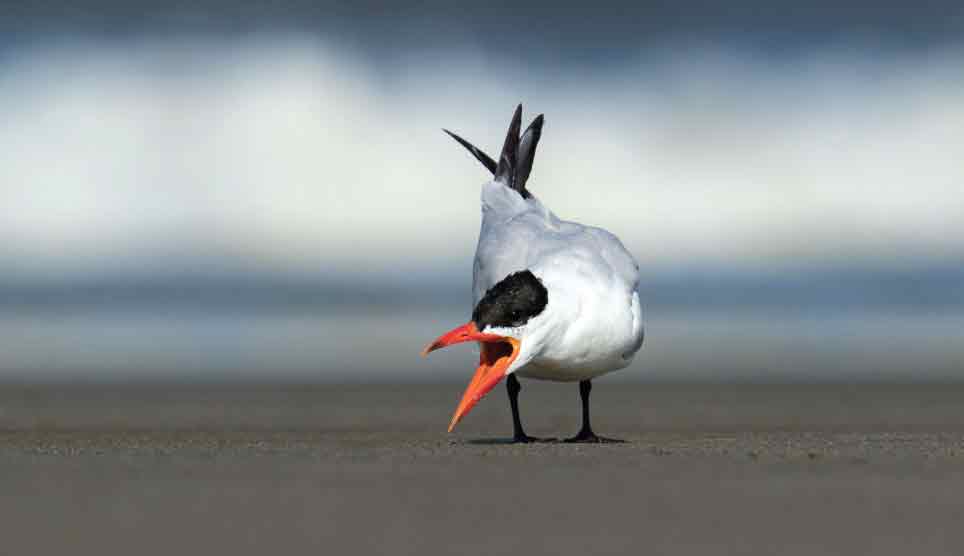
497	353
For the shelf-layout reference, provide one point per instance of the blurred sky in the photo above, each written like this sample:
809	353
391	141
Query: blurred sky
221	185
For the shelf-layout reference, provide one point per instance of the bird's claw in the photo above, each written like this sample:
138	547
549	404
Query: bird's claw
526	439
589	437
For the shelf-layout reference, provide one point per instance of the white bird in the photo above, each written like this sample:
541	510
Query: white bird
553	299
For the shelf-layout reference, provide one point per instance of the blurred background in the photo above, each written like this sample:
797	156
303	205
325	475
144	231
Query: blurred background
218	190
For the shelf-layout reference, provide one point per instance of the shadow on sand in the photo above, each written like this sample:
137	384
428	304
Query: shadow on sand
502	441
505	441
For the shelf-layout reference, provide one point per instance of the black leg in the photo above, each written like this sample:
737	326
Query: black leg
585	433
518	435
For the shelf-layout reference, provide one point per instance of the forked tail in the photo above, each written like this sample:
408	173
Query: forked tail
515	162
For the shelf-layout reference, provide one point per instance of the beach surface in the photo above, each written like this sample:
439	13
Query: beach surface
369	469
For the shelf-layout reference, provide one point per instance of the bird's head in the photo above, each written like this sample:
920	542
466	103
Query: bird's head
504	323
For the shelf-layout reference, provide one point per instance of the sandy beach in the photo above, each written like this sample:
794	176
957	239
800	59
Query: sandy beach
254	469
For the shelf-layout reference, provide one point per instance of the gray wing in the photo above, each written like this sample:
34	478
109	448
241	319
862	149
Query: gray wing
536	237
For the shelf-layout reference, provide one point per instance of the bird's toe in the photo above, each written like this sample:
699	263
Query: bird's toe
526	439
589	437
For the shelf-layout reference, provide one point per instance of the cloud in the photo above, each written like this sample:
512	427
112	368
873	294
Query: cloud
293	152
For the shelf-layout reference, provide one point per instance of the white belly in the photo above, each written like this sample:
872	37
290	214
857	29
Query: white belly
546	369
589	349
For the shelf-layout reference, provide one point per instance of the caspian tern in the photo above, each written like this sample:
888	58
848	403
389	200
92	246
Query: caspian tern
553	299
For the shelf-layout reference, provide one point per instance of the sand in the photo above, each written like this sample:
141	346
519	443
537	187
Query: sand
719	469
